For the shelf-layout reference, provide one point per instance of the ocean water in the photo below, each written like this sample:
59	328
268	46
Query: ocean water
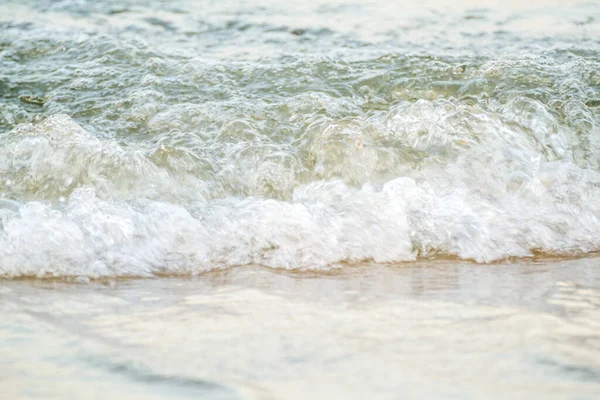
295	164
143	138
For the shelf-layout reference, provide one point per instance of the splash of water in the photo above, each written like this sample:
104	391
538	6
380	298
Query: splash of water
125	153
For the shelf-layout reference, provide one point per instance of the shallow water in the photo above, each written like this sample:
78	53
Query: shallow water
331	199
442	330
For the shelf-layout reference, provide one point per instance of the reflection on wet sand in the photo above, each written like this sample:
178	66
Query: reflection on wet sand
522	330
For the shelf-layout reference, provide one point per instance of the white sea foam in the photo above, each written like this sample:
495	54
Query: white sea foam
495	199
139	140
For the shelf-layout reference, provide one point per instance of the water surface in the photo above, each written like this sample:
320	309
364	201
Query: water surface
308	199
442	330
175	138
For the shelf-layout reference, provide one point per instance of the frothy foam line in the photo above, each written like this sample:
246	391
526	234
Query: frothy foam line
327	223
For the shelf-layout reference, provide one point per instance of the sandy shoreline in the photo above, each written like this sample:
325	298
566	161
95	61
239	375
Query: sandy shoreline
428	330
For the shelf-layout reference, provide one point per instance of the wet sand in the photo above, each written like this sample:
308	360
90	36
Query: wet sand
443	330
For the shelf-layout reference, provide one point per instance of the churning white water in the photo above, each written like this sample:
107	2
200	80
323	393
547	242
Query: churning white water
334	199
139	138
